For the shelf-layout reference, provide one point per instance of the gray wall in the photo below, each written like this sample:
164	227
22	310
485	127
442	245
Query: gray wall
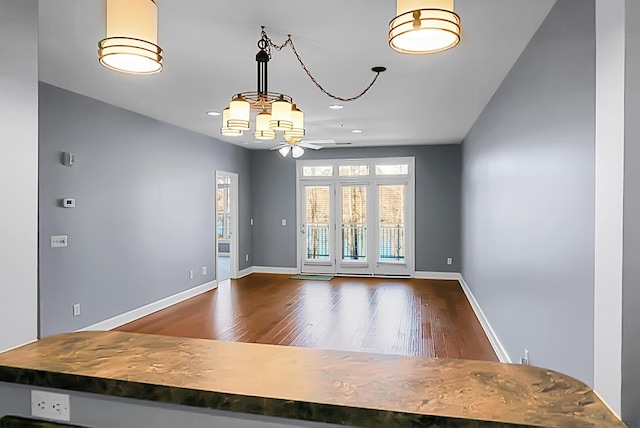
144	211
112	412
631	267
528	197
438	172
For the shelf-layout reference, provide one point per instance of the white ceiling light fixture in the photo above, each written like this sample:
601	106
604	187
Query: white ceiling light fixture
336	106
273	111
284	151
213	113
131	42
424	26
297	151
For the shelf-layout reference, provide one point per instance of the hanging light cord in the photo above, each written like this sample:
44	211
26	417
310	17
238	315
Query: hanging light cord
269	43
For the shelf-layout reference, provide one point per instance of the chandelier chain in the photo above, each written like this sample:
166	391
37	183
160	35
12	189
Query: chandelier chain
289	42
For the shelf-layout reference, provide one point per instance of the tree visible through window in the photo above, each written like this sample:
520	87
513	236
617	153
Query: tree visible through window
354	223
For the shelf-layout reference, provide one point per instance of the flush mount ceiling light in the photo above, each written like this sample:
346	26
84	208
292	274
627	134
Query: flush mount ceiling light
131	42
274	111
424	26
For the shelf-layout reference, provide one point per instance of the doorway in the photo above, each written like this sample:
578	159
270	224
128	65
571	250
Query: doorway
356	217
226	225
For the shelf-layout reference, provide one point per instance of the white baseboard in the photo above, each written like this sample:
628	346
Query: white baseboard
499	349
18	346
277	270
244	272
437	275
127	317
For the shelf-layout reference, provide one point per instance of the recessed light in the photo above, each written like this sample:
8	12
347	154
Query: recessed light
336	106
357	131
213	113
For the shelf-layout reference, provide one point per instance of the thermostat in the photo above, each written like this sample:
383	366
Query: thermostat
69	203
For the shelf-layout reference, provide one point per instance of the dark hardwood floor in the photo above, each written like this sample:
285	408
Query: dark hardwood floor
418	317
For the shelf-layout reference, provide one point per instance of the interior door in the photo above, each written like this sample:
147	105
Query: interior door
317	228
353	231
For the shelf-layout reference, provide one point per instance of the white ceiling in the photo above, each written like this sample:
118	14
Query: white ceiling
210	49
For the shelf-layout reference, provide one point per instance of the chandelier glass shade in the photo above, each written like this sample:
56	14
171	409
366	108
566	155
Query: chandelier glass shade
424	26
263	132
131	42
239	114
297	120
225	130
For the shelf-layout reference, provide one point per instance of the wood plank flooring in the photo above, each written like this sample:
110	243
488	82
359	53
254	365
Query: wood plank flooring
418	317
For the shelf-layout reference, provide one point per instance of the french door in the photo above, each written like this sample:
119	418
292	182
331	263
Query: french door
317	229
355	218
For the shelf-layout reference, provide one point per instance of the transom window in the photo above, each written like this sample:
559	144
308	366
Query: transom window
353	168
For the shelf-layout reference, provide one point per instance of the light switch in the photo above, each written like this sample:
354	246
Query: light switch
284	221
59	241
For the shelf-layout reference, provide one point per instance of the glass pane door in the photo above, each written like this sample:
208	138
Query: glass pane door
316	230
391	233
353	231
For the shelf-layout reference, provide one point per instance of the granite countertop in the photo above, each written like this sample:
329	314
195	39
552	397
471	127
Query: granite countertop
350	388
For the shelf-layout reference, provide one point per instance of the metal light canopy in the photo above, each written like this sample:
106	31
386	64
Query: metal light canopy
424	26
274	111
131	42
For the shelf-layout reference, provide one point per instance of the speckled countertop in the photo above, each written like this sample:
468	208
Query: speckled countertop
350	388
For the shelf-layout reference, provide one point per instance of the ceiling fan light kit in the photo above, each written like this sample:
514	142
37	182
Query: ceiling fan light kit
424	26
131	42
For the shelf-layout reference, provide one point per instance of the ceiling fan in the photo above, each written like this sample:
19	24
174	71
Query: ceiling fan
296	147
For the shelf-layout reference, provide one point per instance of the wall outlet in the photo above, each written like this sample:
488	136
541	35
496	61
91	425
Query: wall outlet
76	310
246	258
50	406
59	241
251	222
284	221
204	270
525	360
449	260
190	274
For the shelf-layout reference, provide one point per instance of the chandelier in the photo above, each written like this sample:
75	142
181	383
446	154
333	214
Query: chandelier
424	26
273	111
131	42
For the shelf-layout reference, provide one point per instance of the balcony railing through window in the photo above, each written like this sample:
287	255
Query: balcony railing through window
317	241
392	244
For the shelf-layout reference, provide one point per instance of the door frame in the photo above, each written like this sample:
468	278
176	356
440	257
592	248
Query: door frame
233	245
410	219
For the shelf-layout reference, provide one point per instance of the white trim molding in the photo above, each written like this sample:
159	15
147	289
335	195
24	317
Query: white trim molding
18	346
274	270
127	317
437	275
609	199
499	349
244	272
